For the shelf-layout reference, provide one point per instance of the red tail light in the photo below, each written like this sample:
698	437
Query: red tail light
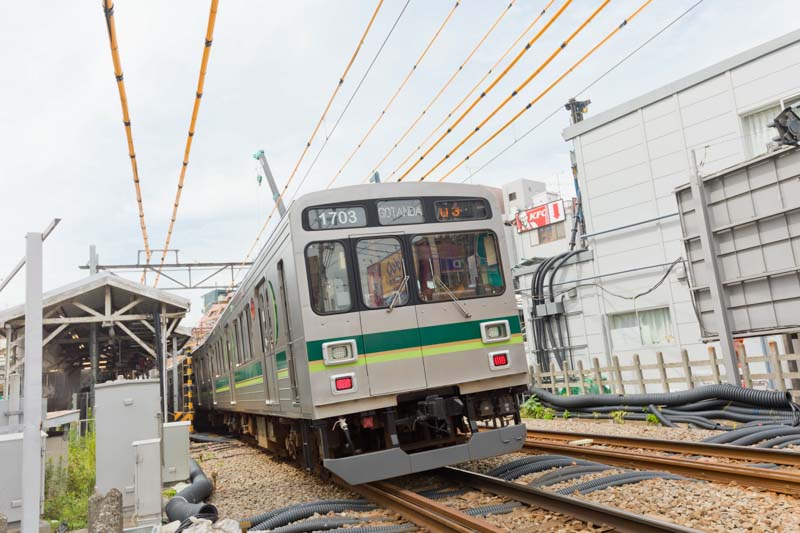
343	383
500	359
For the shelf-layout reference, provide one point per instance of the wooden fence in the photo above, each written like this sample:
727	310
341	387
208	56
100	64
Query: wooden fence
781	373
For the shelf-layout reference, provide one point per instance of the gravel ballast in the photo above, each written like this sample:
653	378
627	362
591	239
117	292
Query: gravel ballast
627	429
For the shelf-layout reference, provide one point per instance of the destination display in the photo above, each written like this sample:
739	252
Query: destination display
394	212
321	218
456	210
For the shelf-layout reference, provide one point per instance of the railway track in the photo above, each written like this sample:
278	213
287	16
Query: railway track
781	481
438	517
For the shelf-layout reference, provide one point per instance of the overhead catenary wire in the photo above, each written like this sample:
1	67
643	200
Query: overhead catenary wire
594	82
212	19
108	10
444	87
519	88
321	120
538	97
395	95
474	88
350	100
491	86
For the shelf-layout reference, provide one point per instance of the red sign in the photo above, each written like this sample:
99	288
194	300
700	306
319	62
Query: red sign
540	216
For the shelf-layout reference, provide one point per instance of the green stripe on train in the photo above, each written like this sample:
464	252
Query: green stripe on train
414	338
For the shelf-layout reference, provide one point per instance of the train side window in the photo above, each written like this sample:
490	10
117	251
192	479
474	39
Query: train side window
249	331
228	357
329	283
382	271
237	335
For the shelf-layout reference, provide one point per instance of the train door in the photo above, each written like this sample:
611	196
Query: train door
388	320
267	340
284	342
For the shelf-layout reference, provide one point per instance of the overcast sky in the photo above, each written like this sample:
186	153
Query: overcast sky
273	66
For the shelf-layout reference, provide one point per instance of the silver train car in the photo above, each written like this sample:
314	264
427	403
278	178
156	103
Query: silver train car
376	329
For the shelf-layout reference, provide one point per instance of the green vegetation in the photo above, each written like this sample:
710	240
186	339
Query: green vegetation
532	408
618	417
67	489
652	419
565	414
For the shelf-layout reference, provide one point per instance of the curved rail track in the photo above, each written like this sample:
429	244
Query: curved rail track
782	481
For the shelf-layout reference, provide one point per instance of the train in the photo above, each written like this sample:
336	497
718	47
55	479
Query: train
375	335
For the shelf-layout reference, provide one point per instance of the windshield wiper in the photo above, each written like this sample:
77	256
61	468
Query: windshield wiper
450	293
397	292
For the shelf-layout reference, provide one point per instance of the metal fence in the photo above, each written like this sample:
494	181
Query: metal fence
771	370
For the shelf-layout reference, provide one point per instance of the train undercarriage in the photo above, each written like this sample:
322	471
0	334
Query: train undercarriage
426	429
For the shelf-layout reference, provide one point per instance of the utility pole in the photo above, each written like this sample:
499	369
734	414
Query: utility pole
271	180
175	385
32	399
715	280
93	349
576	110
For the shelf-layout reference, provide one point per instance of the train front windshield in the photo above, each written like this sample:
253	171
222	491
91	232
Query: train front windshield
465	265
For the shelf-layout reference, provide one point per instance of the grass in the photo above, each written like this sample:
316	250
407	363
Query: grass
68	488
532	408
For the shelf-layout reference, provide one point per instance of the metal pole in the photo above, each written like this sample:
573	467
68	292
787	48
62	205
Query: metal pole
93	330
175	387
32	419
714	283
7	368
21	263
271	180
163	326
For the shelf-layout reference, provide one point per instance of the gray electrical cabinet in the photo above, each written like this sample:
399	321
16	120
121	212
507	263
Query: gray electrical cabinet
176	451
125	412
11	475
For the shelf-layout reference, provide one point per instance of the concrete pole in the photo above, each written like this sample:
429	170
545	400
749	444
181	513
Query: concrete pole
723	325
13	399
32	439
7	361
175	385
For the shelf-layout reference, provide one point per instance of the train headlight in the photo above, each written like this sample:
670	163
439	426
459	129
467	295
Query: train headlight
495	331
339	352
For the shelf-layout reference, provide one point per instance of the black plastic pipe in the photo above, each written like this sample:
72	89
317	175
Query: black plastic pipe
663	420
763	398
738	433
768	433
189	501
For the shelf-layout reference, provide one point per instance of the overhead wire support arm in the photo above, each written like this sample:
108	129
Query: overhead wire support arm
441	91
212	19
520	87
395	95
533	102
108	11
489	88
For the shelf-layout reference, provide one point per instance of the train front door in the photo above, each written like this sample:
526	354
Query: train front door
388	320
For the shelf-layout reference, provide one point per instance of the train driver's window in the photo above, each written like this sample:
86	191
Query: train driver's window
464	265
329	284
382	271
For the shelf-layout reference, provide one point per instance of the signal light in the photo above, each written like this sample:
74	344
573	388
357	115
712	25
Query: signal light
343	383
787	124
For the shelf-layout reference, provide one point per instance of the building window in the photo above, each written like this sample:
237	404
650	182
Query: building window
551	233
757	135
512	196
640	328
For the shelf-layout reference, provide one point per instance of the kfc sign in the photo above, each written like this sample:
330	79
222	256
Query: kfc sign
540	216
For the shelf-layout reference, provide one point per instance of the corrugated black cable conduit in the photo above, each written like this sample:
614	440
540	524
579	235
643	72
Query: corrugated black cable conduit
795	442
566	473
731	436
304	511
401	528
511	465
189	501
613	481
662	419
497	508
541	466
764	398
772	443
639	416
765	434
317	524
257	519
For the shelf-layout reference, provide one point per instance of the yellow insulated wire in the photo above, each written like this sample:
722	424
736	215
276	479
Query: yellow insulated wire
394	96
316	129
442	90
212	19
533	102
108	9
488	89
333	95
519	88
472	91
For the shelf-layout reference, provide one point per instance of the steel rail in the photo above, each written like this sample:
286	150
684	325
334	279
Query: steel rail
775	480
743	453
422	511
621	520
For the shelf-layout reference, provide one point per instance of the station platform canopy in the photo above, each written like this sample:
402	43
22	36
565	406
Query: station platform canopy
96	329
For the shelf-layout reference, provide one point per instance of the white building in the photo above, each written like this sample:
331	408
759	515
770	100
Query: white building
630	160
